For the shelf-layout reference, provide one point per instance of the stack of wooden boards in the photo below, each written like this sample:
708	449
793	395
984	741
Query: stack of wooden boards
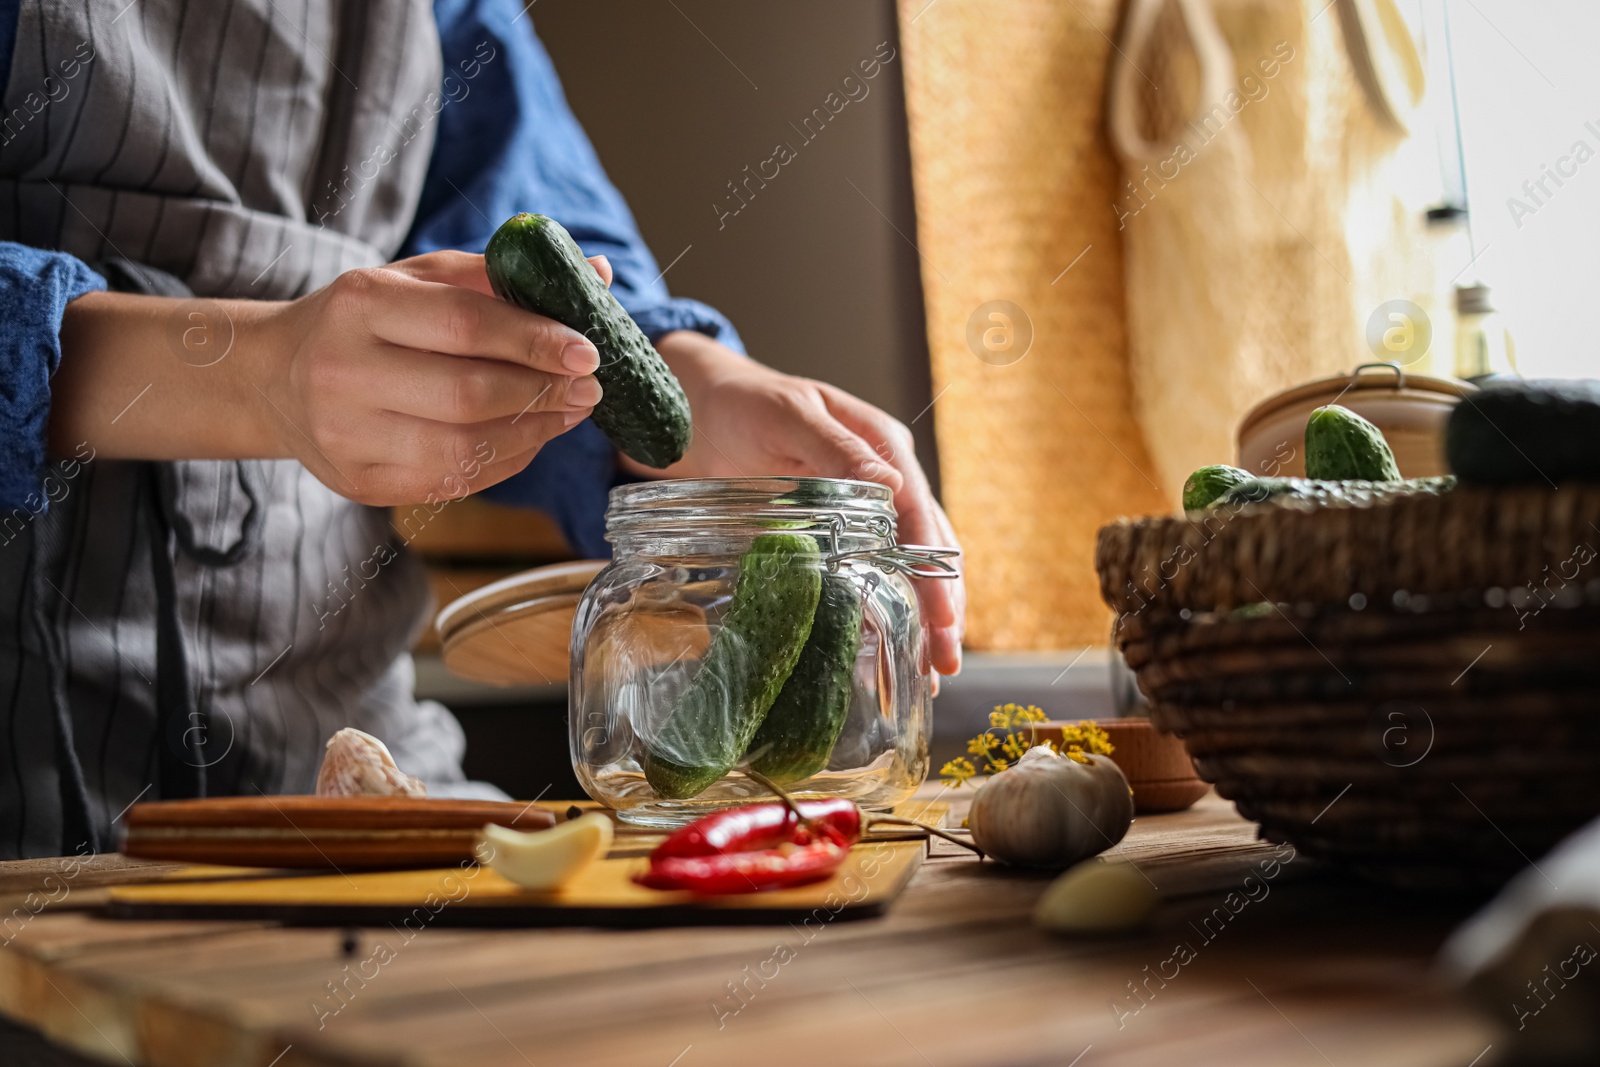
243	847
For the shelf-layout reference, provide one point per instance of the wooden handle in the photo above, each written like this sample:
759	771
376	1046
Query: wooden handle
1384	57
319	833
336	813
1122	105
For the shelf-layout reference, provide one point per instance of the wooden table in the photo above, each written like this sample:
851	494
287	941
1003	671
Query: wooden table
1311	969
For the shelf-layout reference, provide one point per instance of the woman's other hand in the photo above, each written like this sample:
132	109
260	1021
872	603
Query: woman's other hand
750	421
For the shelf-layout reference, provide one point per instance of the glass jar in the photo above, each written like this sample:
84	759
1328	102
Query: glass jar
765	624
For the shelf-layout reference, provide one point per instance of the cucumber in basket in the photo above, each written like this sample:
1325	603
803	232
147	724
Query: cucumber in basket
535	264
799	732
1206	485
1342	446
755	651
1323	491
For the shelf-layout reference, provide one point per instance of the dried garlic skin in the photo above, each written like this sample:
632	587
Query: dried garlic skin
359	765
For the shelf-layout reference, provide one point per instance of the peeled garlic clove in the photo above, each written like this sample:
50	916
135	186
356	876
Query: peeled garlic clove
545	859
1097	898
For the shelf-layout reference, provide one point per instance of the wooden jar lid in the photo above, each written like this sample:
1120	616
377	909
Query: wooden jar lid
517	631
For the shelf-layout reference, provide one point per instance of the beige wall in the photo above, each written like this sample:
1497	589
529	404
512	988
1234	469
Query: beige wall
680	97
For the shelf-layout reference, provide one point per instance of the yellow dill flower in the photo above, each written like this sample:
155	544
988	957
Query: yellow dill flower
958	771
1021	732
1087	737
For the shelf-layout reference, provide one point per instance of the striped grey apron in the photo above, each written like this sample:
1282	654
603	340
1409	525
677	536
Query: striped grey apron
201	628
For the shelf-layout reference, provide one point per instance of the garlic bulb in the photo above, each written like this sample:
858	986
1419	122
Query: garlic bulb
1051	810
356	764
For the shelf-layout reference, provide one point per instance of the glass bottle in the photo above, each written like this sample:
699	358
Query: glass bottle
1483	342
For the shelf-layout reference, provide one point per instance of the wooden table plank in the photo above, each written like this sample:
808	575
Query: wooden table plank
1316	970
19	877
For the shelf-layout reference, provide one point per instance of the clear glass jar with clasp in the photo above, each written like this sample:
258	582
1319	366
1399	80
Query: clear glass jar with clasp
746	631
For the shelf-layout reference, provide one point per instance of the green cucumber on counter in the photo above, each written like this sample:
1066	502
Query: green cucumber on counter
753	653
534	263
1527	433
1325	491
1206	485
1343	446
797	737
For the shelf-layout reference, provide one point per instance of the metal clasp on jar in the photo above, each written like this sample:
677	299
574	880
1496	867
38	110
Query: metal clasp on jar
914	561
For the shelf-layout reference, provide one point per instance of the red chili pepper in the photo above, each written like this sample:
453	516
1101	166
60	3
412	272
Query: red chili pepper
745	872
763	826
756	847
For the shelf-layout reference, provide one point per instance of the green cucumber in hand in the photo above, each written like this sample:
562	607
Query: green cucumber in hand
534	263
754	652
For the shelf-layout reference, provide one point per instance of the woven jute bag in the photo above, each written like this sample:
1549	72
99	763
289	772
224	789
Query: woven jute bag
1272	201
1084	361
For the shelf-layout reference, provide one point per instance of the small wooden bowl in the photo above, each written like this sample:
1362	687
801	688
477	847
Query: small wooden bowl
1156	764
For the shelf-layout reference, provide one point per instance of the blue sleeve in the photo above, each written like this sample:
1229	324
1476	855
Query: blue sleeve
506	141
35	287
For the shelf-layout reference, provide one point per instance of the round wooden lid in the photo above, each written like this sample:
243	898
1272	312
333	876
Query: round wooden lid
516	631
1369	378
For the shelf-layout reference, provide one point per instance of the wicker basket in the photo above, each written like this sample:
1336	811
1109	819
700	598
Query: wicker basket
1411	689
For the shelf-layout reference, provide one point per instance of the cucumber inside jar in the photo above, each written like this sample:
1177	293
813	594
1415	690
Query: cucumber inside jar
800	730
752	655
727	712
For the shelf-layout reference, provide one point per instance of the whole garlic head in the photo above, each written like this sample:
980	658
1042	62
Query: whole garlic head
1051	810
357	764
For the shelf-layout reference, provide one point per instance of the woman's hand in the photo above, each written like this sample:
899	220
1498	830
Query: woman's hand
751	421
412	381
394	385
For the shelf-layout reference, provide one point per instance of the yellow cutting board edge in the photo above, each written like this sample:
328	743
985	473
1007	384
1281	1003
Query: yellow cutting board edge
865	877
875	871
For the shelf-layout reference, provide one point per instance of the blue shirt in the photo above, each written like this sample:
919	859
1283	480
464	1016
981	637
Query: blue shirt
507	142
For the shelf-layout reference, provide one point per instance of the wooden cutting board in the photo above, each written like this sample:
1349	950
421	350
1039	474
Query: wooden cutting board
320	833
466	895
